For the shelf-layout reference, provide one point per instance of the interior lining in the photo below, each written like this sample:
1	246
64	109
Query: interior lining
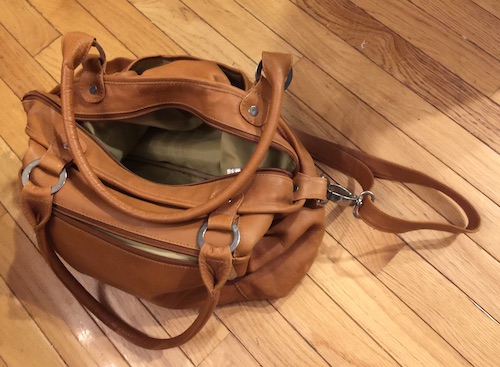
175	147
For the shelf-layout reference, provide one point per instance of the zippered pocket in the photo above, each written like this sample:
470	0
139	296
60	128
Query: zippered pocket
134	265
142	247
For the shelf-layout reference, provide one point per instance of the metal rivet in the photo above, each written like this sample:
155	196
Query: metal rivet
253	110
66	146
93	89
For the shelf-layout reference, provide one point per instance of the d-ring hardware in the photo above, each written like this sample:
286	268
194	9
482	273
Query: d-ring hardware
25	176
258	72
200	238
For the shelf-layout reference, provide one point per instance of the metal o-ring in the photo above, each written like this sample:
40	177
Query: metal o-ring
200	238
258	72
25	176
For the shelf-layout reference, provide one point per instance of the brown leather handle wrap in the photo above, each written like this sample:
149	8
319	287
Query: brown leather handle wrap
276	68
364	168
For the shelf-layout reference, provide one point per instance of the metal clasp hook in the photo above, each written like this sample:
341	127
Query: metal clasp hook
340	195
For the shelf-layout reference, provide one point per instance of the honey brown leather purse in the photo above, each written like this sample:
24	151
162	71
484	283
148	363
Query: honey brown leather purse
176	179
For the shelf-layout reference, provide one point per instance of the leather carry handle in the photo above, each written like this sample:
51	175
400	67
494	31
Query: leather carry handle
275	69
37	206
364	168
112	320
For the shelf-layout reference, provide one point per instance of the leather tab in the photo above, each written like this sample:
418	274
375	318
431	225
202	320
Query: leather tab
36	204
275	68
91	83
215	266
75	46
309	187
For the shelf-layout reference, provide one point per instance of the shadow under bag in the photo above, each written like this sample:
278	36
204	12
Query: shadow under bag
176	179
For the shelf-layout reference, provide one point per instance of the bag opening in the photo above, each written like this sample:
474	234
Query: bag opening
173	146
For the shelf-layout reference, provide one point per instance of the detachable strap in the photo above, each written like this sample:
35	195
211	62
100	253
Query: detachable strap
364	168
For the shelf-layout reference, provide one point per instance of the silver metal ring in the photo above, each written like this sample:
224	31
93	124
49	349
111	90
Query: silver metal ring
258	72
25	176
200	238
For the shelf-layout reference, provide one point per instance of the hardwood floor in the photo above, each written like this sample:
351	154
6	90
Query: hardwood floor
413	81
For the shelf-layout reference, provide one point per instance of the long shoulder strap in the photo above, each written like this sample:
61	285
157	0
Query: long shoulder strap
364	168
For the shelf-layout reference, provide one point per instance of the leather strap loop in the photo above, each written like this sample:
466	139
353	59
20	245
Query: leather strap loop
274	89
364	168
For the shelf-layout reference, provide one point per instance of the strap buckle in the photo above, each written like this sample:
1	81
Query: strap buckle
340	195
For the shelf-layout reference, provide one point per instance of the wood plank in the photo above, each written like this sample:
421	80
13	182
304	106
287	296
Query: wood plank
197	37
380	138
493	6
269	338
412	67
69	16
26	25
141	36
252	37
474	65
457	257
51	59
10	187
13	120
62	320
230	352
21	341
496	96
408	339
450	312
467	19
329	329
131	310
18	69
176	321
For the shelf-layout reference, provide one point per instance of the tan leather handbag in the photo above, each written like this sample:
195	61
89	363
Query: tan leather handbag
176	180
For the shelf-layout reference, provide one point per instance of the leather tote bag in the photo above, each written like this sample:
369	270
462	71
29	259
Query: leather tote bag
176	179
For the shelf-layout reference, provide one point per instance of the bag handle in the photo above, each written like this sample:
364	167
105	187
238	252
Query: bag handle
364	168
276	67
37	206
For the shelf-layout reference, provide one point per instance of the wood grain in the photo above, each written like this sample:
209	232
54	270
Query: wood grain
21	342
463	16
411	66
477	67
490	5
413	81
14	17
230	352
197	38
18	69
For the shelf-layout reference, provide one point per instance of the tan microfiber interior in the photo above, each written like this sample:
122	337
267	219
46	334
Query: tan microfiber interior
172	146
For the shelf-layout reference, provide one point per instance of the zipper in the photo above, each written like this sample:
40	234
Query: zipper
132	242
35	95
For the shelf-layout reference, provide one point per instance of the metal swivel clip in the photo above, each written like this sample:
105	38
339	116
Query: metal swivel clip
342	196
